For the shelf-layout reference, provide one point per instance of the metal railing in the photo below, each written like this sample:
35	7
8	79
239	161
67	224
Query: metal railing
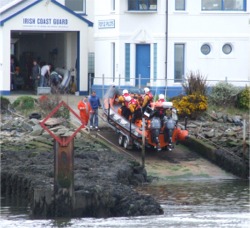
168	87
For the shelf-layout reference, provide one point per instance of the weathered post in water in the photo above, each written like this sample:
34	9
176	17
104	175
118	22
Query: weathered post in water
64	177
64	198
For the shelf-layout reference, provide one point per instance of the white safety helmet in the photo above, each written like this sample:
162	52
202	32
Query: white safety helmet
146	90
124	91
161	96
128	98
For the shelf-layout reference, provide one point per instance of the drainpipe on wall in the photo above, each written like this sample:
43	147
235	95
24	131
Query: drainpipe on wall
166	53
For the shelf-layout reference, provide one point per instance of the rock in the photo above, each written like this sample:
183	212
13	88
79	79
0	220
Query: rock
33	122
229	132
26	126
219	115
213	115
209	134
37	130
7	125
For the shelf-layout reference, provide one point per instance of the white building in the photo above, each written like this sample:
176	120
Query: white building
45	30
134	42
137	38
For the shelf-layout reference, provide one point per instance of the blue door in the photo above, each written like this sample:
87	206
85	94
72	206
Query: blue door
142	64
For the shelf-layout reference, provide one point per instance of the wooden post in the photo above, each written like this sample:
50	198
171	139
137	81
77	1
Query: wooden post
64	178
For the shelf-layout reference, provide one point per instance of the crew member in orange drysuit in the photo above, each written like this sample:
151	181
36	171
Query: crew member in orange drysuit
84	108
159	104
134	108
123	100
147	98
161	98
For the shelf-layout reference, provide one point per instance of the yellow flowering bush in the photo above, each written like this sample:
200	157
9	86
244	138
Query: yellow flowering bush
191	105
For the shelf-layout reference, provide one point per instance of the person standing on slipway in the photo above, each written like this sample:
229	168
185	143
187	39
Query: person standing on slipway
85	109
44	70
35	76
95	104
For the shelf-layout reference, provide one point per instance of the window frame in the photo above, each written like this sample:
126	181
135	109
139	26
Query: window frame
179	80
113	52
78	11
140	3
205	45
227	45
180	9
127	61
113	5
222	6
155	47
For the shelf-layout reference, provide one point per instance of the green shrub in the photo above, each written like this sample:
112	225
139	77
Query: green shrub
195	83
244	98
224	93
5	102
24	103
49	102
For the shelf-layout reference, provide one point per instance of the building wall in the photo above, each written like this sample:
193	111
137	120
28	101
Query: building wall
47	10
195	27
192	27
130	27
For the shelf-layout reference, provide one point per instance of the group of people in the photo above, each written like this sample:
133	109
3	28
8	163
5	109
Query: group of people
38	74
88	108
133	105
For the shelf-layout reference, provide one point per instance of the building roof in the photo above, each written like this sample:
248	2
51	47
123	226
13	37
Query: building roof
11	8
7	4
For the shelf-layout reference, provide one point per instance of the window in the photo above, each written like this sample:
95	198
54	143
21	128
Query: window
180	5
233	5
155	61
227	49
91	62
141	5
113	60
205	49
127	62
179	51
113	5
76	5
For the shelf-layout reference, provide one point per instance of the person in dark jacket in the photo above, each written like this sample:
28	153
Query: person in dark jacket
35	76
95	104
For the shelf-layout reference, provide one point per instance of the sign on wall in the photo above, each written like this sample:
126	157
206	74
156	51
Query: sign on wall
106	24
45	22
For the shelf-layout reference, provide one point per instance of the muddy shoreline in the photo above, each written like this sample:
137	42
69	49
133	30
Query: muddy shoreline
103	180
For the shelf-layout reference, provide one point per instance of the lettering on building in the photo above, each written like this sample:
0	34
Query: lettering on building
45	21
106	24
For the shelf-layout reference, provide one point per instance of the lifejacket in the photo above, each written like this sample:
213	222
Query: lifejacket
151	97
161	100
133	105
158	105
122	99
147	101
125	100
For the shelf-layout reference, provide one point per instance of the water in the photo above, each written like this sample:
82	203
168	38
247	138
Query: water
220	203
